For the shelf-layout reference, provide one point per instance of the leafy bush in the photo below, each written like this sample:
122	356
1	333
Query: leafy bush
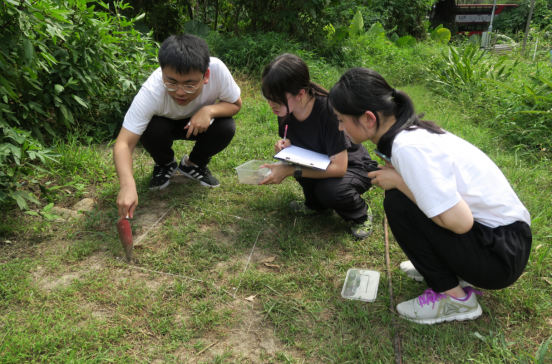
399	65
526	117
406	17
19	153
252	52
467	68
440	34
63	62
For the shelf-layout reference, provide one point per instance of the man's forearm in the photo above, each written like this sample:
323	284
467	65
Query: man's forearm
222	110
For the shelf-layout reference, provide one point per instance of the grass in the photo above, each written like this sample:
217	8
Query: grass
65	297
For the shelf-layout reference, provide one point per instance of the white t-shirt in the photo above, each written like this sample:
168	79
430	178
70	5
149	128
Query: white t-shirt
441	169
153	98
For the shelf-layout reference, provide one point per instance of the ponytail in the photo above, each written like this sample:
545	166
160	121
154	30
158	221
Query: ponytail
361	89
317	90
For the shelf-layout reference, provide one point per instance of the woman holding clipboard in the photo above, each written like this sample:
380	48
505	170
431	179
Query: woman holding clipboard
450	208
301	107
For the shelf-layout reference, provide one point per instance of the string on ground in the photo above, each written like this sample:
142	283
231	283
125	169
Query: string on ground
246	265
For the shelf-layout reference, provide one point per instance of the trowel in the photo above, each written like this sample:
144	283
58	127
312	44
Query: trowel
125	234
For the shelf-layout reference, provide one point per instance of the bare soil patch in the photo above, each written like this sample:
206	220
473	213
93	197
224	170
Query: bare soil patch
252	339
49	282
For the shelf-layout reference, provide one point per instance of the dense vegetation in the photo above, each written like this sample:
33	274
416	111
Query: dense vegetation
72	68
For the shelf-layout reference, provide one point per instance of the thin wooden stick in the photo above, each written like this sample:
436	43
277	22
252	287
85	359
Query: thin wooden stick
396	339
213	344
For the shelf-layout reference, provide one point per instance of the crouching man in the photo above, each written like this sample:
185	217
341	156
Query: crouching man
178	102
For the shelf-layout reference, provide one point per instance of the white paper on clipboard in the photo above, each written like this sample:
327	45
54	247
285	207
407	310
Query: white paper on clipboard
304	157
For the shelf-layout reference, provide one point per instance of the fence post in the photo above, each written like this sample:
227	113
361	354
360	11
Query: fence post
535	53
528	27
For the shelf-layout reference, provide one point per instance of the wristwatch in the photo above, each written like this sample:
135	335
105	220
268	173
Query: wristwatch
298	172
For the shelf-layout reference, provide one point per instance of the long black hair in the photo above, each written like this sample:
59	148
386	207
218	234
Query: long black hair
362	89
288	73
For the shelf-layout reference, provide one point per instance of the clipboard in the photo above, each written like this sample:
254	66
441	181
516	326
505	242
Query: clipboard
304	157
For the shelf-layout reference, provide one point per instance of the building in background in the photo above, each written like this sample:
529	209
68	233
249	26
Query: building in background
475	18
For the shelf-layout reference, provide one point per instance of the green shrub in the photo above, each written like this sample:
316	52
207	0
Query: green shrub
19	154
399	65
251	52
525	117
466	68
64	63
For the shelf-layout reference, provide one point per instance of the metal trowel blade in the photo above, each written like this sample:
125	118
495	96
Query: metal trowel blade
125	234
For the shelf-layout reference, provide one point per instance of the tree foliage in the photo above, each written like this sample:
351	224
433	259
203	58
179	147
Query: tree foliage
302	20
64	62
516	19
239	17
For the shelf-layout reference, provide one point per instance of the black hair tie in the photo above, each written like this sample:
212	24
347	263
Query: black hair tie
394	93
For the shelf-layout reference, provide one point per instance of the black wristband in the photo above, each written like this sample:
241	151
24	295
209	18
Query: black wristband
298	172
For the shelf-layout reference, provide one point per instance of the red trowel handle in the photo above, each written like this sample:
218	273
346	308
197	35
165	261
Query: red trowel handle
125	234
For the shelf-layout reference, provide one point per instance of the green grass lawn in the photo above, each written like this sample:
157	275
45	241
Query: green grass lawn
67	298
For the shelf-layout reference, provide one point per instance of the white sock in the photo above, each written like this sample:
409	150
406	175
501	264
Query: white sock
188	163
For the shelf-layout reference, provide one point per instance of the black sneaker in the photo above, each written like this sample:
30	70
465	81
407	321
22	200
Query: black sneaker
199	173
162	175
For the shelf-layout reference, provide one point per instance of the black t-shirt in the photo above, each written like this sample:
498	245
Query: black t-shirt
320	133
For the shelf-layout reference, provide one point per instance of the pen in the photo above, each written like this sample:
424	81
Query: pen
285	133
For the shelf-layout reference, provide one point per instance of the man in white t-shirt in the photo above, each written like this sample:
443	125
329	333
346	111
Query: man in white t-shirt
178	102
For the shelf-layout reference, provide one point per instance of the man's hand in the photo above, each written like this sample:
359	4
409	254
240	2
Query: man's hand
281	144
200	122
127	200
278	173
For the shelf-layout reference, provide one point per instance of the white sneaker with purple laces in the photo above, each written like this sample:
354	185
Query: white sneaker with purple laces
432	307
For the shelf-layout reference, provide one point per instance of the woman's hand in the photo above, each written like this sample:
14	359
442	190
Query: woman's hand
387	178
281	144
278	173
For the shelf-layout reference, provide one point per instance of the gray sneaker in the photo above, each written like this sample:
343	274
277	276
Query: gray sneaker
364	230
413	273
432	307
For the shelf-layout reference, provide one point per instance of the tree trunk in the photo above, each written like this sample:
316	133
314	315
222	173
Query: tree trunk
216	14
190	10
238	9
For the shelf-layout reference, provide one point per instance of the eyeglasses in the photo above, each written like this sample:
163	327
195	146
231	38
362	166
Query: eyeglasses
189	89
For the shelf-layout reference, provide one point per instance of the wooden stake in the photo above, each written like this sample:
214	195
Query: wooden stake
396	339
527	27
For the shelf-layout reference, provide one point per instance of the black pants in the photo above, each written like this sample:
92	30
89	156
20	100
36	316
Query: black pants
161	132
344	195
485	257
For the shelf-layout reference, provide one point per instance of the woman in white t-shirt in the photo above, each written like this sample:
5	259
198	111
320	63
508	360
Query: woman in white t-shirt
450	208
